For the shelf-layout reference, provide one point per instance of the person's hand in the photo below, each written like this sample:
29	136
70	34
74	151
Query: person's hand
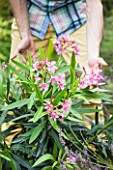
26	43
94	64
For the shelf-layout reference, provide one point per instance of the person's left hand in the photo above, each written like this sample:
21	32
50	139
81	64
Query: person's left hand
94	64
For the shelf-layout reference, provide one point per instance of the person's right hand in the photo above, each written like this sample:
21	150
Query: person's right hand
26	43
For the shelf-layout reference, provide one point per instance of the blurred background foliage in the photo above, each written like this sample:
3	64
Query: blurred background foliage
5	29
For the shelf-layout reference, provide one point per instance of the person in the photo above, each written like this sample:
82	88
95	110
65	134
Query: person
34	17
37	21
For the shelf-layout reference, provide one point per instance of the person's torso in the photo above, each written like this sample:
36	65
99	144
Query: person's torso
65	15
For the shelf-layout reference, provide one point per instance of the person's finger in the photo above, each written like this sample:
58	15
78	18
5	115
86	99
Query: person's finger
14	55
101	62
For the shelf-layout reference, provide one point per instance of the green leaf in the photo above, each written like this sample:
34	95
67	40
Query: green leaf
3	116
39	114
16	104
74	120
62	70
58	97
23	148
72	69
1	164
43	159
37	131
97	96
12	163
56	139
21	66
69	166
54	124
8	87
21	117
26	87
55	163
47	168
42	54
18	74
95	129
27	133
29	58
87	110
4	157
22	161
75	113
21	57
60	154
49	50
31	100
55	150
38	93
78	104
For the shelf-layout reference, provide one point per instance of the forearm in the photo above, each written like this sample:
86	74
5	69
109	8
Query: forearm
94	27
20	12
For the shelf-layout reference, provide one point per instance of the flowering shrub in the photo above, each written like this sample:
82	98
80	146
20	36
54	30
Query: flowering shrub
44	97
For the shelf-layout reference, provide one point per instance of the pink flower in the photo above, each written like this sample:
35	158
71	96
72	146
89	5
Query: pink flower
36	78
75	48
54	115
61	85
60	50
52	80
77	74
35	66
4	66
60	77
45	61
51	66
64	44
67	105
44	86
65	108
67	102
59	44
48	112
48	106
91	80
83	84
62	116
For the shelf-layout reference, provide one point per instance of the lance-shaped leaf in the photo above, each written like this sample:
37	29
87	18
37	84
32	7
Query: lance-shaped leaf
43	158
36	132
72	69
16	104
58	96
18	74
21	66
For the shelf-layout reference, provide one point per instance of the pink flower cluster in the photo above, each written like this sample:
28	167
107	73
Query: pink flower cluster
55	112
64	44
44	66
91	80
60	80
49	68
